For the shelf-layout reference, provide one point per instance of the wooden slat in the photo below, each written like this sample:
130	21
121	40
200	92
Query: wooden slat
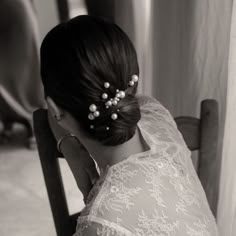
208	170
202	134
52	175
73	220
189	128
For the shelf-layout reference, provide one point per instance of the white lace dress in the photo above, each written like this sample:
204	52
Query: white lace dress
156	192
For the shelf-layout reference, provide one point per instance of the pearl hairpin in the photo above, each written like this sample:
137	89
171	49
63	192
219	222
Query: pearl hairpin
104	95
91	116
131	83
114	102
114	116
94	113
135	78
121	94
92	107
106	84
108	103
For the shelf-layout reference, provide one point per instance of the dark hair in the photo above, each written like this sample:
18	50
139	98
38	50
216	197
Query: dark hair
77	58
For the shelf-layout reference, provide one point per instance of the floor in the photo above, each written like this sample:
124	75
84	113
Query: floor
24	206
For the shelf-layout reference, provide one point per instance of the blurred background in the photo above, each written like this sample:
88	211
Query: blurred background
187	53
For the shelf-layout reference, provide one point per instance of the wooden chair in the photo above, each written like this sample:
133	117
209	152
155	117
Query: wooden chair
49	157
202	135
199	134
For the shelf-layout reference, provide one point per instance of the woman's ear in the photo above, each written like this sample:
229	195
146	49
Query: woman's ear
54	109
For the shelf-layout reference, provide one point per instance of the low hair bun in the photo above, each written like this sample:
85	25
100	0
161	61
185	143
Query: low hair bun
121	129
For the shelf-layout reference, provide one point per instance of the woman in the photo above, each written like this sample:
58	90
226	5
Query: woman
147	183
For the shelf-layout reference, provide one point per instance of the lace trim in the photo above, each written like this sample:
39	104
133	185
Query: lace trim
95	219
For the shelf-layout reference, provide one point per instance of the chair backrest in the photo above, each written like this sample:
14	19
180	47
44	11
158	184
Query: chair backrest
199	134
49	157
202	135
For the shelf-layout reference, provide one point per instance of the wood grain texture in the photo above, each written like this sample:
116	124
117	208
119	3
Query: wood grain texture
65	225
208	163
202	134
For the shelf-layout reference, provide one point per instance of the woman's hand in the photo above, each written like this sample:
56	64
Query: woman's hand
80	162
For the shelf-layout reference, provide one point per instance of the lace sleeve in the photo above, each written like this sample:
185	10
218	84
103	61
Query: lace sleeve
143	99
92	225
155	111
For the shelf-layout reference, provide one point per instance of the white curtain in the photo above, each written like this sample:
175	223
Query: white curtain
47	15
135	18
227	200
21	89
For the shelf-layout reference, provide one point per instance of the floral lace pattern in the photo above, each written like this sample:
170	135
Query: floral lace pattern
158	223
156	192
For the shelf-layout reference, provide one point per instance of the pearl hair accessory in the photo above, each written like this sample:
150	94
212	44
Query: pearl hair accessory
104	96
106	84
114	101
134	79
114	116
93	108
94	113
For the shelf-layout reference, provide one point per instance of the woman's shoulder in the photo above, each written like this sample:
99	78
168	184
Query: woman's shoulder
144	99
155	114
152	106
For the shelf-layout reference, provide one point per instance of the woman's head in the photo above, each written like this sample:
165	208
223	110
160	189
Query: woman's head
77	58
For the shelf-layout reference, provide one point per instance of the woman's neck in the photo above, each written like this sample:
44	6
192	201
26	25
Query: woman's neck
106	156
